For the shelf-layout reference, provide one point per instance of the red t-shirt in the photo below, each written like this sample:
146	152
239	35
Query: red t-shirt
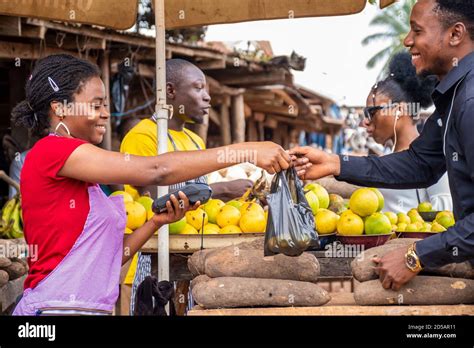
54	208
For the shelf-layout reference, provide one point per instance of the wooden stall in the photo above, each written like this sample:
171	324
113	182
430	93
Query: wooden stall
254	96
253	93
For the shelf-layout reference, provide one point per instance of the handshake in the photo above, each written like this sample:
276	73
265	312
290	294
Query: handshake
310	163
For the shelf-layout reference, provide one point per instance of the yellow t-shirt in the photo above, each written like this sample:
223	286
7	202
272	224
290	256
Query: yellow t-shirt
142	140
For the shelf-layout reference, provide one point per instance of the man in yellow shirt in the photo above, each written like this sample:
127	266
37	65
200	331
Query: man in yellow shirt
186	91
142	140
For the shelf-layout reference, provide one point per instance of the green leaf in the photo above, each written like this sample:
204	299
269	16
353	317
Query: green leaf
395	21
383	54
378	36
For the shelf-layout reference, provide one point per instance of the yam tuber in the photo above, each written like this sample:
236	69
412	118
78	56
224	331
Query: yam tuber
232	292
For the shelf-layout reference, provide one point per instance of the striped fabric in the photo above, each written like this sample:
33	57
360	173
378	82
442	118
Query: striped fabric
144	261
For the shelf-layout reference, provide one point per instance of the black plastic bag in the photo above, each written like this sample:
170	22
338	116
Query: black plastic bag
290	226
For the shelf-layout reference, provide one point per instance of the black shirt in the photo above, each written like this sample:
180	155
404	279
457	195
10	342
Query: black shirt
445	144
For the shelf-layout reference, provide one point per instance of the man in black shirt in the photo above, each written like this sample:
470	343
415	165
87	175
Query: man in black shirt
441	42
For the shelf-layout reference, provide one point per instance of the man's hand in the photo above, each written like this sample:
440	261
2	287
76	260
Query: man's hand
269	156
313	164
175	210
392	269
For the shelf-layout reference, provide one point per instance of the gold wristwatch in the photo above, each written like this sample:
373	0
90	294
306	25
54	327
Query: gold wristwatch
412	260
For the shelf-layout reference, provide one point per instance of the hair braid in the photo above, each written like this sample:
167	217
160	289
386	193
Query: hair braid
54	78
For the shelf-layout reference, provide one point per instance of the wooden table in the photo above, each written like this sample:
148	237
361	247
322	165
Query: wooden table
182	246
189	243
340	304
332	268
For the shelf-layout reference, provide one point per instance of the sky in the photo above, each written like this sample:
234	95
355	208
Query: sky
336	60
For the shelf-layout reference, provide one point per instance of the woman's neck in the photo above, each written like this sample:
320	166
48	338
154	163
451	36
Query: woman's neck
407	136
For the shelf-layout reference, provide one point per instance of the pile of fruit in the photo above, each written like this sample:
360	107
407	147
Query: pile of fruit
217	217
413	222
361	214
11	224
243	215
364	215
326	207
138	210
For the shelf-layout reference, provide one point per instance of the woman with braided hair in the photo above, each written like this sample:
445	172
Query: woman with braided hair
77	230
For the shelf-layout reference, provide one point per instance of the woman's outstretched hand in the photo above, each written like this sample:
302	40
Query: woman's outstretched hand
313	164
270	156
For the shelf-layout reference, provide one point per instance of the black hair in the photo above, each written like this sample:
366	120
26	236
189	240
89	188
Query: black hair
54	78
453	11
403	85
175	69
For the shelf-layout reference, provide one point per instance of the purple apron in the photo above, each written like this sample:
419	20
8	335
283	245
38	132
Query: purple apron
87	279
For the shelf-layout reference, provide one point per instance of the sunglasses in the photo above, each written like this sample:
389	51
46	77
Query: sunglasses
370	111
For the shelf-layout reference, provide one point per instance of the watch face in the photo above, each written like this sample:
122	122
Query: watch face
411	261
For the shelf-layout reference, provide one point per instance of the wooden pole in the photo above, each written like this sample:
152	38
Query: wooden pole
238	119
261	131
284	134
252	131
277	135
225	122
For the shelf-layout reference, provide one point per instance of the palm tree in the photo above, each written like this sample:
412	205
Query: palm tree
396	23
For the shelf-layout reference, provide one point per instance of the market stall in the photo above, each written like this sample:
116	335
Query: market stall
230	275
332	269
13	250
172	14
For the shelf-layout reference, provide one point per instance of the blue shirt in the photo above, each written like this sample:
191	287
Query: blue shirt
15	170
445	144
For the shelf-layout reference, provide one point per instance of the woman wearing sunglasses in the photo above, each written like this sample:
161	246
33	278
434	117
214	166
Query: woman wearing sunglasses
391	115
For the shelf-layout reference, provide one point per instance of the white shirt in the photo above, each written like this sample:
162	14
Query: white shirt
400	201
